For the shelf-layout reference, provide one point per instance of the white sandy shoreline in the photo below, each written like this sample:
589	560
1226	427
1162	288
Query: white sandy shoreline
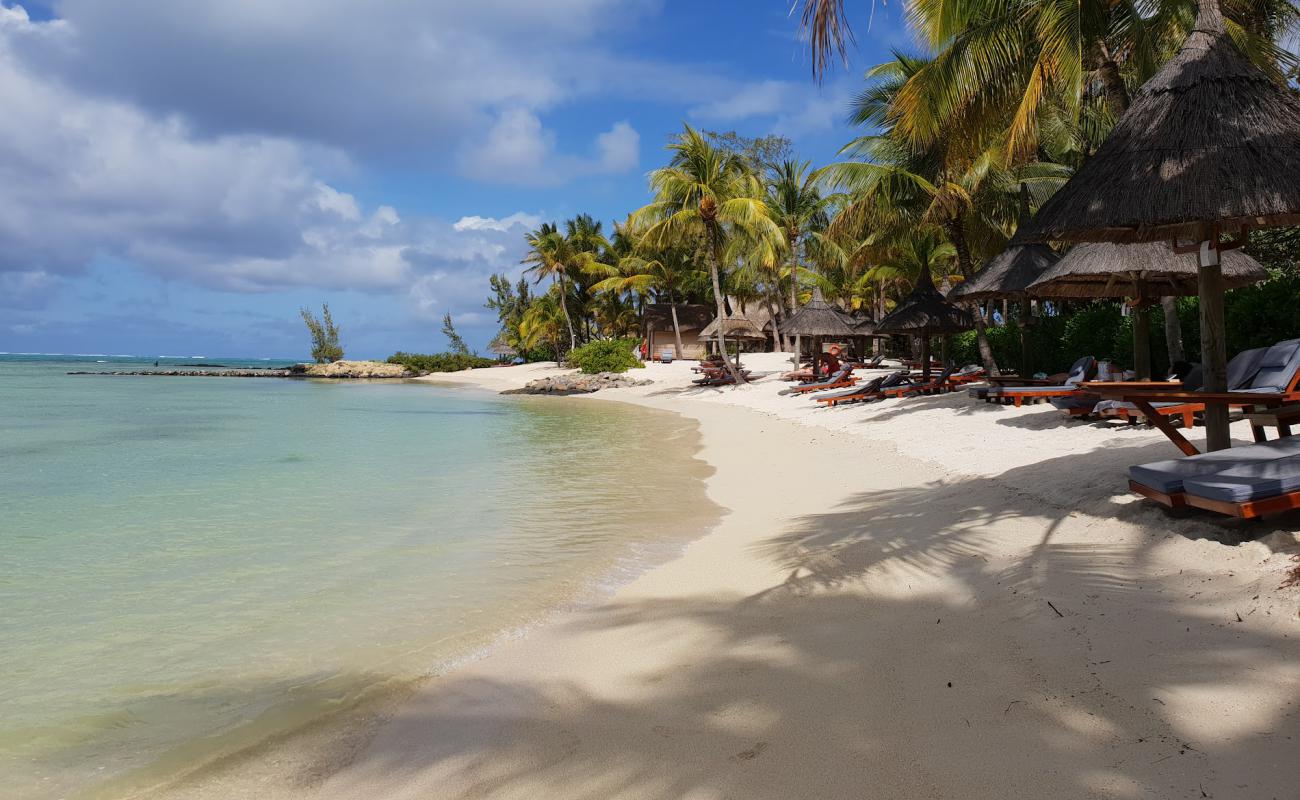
925	598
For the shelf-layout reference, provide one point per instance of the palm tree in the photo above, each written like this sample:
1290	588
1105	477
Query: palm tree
642	270
549	255
964	182
544	321
795	203
702	197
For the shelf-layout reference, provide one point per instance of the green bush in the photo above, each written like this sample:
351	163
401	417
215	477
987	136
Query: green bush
438	362
605	355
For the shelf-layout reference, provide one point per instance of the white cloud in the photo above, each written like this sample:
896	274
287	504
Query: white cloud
84	179
794	109
519	150
477	223
619	148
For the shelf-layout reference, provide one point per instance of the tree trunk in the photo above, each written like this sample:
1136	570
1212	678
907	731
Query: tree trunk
958	238
777	343
1024	337
794	297
1214	353
1111	81
564	306
714	270
1141	342
1173	330
677	328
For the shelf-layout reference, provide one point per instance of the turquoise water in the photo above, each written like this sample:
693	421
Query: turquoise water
188	565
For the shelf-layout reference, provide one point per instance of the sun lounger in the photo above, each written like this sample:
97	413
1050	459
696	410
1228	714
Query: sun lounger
854	395
841	378
1266	370
1080	371
967	374
871	391
1238	477
722	378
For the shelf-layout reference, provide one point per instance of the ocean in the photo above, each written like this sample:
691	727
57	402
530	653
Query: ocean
189	566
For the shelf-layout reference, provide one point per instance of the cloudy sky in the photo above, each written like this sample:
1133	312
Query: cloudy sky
181	177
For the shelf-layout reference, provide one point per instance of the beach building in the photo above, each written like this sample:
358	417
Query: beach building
657	328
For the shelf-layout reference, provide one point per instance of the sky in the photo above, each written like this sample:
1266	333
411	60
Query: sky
182	177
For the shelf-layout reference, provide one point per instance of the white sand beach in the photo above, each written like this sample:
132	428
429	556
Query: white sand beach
918	598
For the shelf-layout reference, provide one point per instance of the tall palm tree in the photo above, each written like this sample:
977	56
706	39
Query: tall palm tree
549	255
702	197
801	212
964	182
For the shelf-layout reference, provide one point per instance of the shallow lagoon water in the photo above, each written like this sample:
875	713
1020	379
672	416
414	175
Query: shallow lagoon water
189	565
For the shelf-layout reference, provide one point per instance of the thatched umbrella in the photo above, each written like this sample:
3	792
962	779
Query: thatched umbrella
735	326
1008	274
499	347
925	313
1142	272
1210	145
819	319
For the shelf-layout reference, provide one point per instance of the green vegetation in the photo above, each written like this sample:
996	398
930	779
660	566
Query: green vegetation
325	347
458	345
605	355
439	362
1000	94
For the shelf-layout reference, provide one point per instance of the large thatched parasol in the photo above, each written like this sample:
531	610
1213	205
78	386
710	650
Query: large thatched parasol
820	319
1210	145
499	347
1141	272
925	313
1009	274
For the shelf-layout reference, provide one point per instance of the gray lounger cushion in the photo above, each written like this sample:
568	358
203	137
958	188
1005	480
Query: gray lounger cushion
1277	367
1168	476
1243	366
1252	481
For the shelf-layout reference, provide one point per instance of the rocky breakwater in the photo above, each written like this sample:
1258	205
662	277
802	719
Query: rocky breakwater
339	369
351	369
577	383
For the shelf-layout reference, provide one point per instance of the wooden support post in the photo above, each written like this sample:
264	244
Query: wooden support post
1024	337
1214	350
1141	342
925	358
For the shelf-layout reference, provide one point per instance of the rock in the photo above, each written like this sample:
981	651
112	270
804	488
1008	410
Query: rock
577	383
352	369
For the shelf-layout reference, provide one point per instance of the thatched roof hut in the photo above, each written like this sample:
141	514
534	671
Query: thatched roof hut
1010	272
1140	271
734	326
1209	140
819	319
925	312
1211	144
499	347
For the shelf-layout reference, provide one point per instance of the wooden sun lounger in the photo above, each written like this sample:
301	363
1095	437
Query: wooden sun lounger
1246	482
721	379
846	379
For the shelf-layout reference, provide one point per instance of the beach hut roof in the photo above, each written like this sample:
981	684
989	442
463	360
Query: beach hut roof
819	318
1010	272
691	316
925	312
735	326
1209	140
1148	270
498	347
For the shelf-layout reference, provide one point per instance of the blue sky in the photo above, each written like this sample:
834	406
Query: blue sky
182	177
